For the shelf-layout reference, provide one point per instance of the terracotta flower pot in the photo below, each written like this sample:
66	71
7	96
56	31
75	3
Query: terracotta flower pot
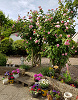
49	97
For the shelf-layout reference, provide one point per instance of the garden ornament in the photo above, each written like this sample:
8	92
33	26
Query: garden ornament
22	60
67	95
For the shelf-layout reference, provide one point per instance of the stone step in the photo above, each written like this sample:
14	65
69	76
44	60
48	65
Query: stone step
25	80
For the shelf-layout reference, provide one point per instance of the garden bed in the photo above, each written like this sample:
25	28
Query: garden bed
63	87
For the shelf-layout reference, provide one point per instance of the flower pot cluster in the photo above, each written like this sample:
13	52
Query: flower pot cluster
10	76
40	86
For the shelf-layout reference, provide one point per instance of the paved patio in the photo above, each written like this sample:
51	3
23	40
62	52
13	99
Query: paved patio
16	92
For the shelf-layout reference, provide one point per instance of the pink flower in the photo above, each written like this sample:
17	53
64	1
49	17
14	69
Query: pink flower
57	26
57	45
19	18
21	36
71	11
68	36
30	26
40	75
45	19
66	9
48	9
66	43
64	14
66	24
27	42
36	41
65	54
39	6
25	46
57	22
67	28
62	21
43	16
16	34
31	21
52	9
35	75
30	38
51	17
48	32
69	18
62	54
60	35
13	26
34	32
75	50
30	16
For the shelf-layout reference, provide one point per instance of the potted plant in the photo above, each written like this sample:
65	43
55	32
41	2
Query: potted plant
55	94
49	95
7	74
16	73
37	77
44	83
35	90
5	79
11	78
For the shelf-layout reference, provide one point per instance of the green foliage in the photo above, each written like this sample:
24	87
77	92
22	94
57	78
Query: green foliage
19	47
26	67
6	32
67	77
6	45
3	59
44	71
47	72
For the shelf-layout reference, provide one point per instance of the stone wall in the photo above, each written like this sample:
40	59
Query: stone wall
3	70
63	87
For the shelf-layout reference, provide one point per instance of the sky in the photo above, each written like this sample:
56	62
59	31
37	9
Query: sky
12	8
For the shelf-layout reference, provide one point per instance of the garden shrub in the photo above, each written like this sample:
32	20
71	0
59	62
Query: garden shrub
19	47
6	45
3	59
26	67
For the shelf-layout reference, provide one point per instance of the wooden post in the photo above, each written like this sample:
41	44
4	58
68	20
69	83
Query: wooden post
40	59
32	57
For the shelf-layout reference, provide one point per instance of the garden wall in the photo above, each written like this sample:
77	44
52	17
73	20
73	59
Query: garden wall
63	87
3	70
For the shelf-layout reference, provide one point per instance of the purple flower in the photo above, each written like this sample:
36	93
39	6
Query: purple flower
58	92
54	90
33	86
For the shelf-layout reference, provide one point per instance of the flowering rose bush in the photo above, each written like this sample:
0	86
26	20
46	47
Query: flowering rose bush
55	29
